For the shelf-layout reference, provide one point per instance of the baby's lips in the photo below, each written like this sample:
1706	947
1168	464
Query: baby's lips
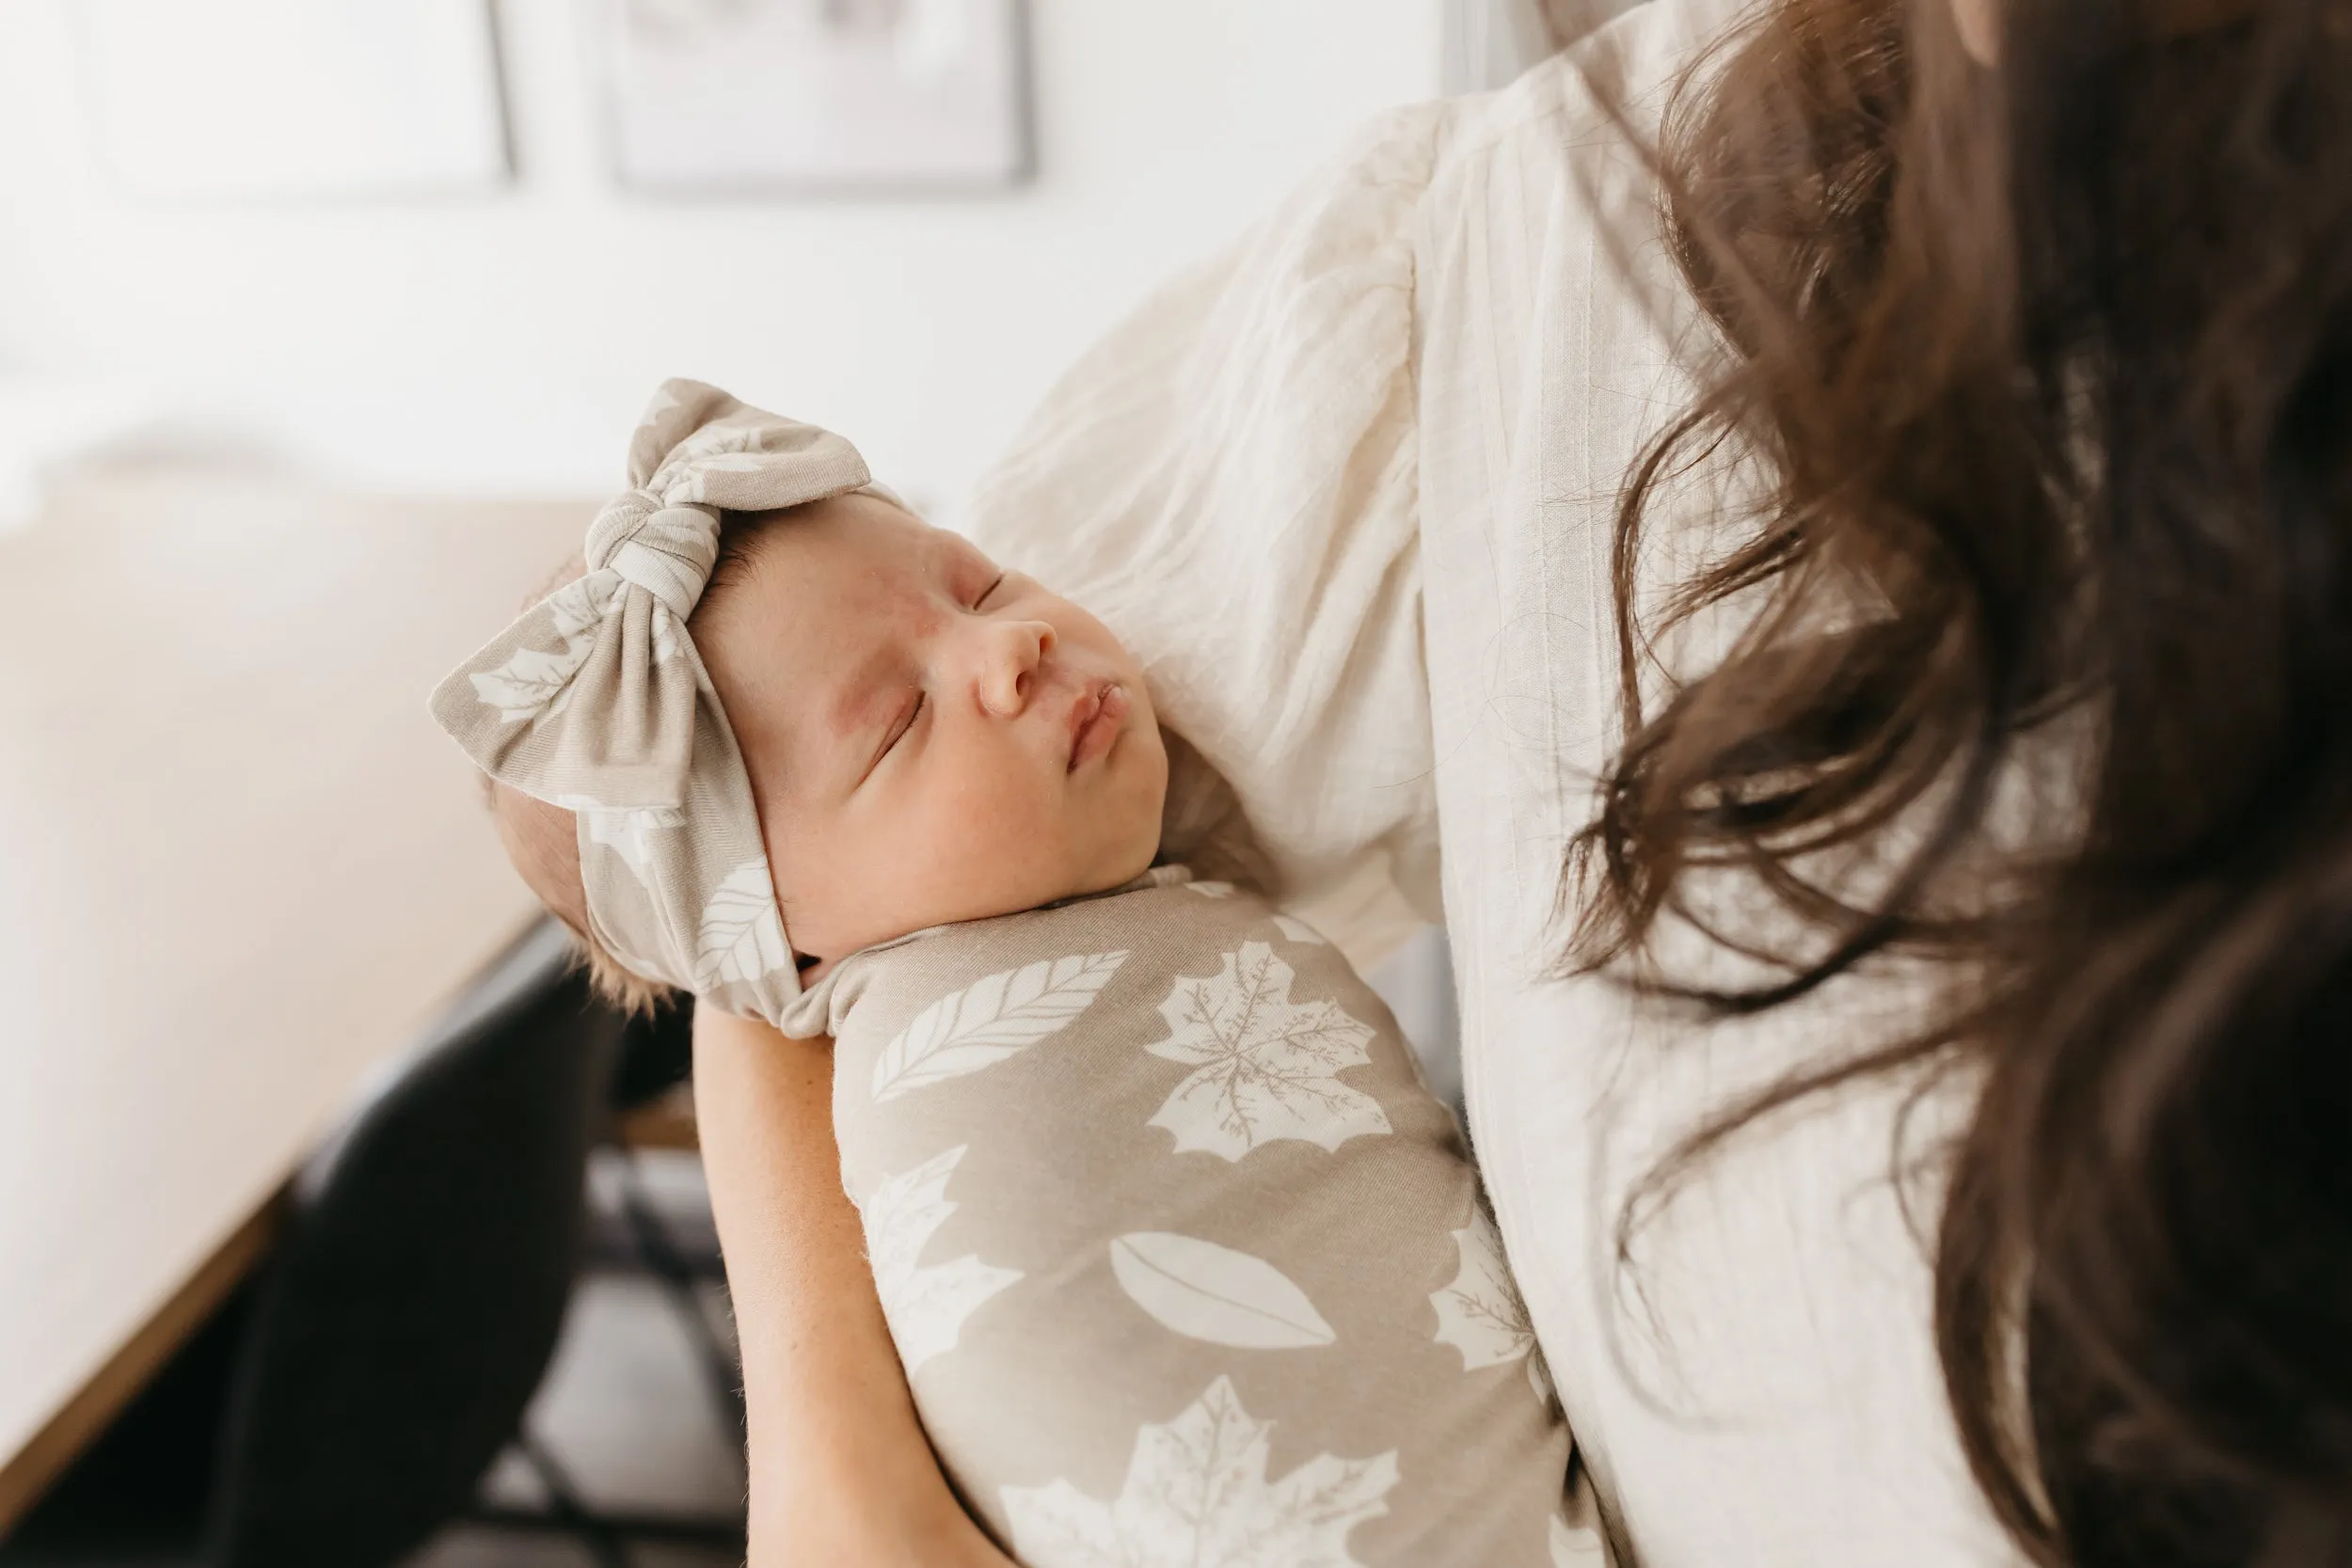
1100	729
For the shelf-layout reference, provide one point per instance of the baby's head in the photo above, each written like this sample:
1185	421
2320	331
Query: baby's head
928	738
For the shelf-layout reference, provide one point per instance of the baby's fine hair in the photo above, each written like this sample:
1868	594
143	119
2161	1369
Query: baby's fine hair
542	843
542	840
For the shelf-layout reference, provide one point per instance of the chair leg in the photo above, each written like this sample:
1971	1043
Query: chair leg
564	1509
606	1535
724	1534
660	1255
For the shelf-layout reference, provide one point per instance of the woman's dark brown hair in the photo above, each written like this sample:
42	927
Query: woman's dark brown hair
2051	365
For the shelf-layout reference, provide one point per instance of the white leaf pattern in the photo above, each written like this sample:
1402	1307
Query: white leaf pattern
989	1020
1196	1497
533	681
1212	890
529	683
1480	1314
1215	1294
1265	1067
664	633
715	439
926	1306
578	605
628	831
741	936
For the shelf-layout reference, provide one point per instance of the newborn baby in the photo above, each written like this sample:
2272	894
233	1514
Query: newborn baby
1185	1263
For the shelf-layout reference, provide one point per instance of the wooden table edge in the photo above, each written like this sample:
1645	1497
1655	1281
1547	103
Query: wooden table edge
29	1473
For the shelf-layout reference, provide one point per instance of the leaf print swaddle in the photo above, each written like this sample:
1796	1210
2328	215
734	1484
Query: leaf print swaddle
989	1019
1186	1265
1266	1068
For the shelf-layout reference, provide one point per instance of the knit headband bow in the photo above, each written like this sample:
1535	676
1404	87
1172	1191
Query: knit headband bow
597	701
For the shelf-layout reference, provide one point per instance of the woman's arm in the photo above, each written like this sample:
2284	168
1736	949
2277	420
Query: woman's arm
840	1470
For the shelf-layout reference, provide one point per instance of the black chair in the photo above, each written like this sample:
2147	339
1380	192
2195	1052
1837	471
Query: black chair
656	1056
345	1405
629	1235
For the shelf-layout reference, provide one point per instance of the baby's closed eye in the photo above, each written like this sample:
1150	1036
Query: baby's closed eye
900	728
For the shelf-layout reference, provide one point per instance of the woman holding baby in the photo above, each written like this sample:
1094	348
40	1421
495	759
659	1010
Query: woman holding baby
1818	540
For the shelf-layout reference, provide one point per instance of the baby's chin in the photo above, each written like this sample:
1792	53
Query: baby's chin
1116	870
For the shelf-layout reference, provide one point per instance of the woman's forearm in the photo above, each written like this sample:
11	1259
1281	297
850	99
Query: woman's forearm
840	1470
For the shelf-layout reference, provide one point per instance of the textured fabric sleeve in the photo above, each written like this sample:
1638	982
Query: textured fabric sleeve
1229	482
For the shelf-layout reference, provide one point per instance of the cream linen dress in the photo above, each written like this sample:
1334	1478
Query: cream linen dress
1346	489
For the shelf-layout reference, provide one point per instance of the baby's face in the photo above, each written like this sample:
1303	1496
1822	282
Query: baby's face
929	737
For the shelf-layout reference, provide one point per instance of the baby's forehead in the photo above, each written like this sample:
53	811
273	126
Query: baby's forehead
843	544
819	596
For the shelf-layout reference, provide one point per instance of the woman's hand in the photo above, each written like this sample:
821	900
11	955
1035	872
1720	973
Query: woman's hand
840	1470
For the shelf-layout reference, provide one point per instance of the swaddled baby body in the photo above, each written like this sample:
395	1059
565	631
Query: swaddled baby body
1183	1261
1177	1249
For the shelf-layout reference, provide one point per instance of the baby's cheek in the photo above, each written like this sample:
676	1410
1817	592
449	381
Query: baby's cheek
1015	841
1001	815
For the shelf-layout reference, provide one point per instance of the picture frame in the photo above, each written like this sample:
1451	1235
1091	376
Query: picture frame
294	100
842	97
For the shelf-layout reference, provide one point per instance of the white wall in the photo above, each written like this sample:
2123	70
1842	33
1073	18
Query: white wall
506	341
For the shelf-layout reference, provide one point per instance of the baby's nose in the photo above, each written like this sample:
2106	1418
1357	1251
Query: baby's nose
1008	673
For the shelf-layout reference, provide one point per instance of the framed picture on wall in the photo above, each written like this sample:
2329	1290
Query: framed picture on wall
278	100
844	96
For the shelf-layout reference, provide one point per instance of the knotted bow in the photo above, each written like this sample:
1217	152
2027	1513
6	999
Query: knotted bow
597	701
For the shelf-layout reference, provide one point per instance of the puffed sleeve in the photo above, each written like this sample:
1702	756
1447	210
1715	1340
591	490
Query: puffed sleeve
1229	482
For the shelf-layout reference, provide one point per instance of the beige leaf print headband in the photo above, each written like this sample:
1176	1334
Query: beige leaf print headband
597	701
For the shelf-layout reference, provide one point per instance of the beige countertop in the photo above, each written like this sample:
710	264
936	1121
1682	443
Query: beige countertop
239	870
